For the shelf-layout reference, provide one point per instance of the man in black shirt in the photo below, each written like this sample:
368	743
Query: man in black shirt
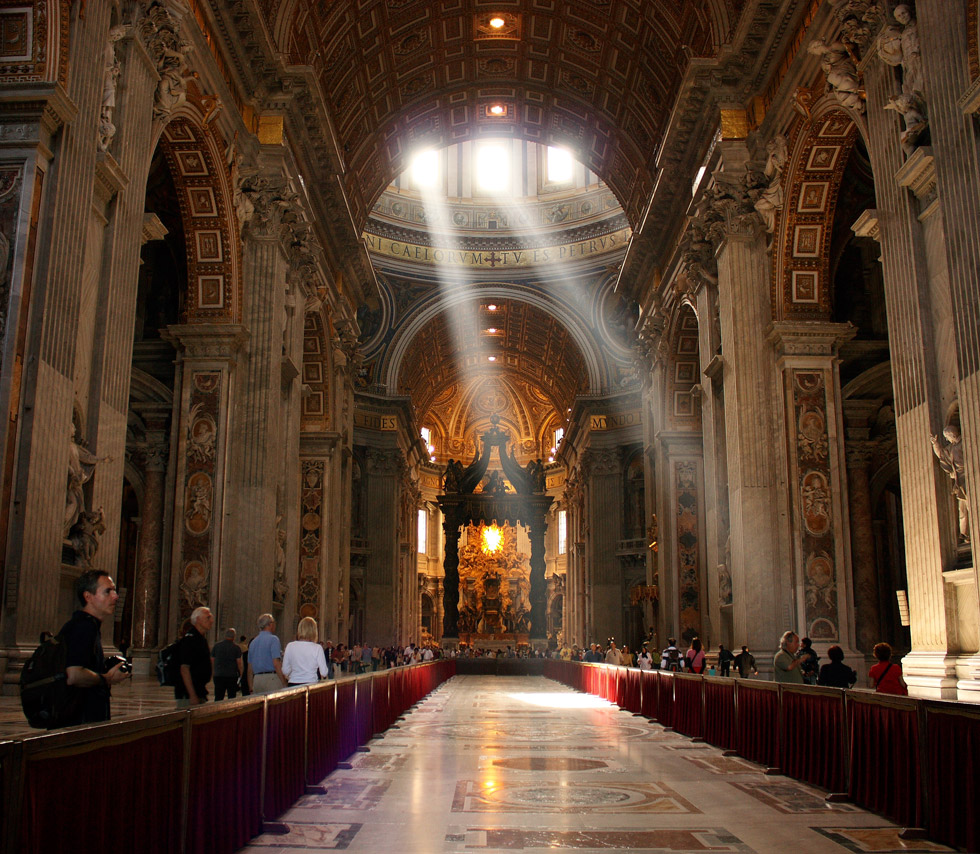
88	695
194	657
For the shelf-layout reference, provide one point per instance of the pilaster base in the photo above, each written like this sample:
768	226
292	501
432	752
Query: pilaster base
968	684
143	663
930	675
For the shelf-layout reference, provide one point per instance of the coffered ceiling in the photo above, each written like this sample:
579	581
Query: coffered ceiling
598	76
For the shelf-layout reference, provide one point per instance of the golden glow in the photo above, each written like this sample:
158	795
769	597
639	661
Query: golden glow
496	22
493	540
497	110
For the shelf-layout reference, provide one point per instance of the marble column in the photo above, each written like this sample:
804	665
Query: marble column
206	361
863	552
385	467
146	593
602	470
953	102
909	296
762	601
813	427
539	592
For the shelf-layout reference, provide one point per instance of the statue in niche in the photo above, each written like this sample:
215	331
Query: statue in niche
535	475
111	72
81	467
279	586
771	198
950	456
899	46
85	535
912	109
454	469
841	73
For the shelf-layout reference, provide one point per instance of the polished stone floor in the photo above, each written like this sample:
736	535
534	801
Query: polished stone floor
505	764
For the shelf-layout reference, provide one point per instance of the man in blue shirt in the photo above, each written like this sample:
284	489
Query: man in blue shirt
265	659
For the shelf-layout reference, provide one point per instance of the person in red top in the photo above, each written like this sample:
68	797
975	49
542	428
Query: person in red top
885	676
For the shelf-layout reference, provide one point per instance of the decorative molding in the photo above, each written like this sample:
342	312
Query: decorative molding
867	225
918	174
809	338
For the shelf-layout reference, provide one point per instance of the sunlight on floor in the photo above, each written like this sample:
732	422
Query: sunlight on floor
558	700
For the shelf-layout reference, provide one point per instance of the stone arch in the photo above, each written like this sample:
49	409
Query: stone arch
682	405
803	288
389	369
211	232
316	373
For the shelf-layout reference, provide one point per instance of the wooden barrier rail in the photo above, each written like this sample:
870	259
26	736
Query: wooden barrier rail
914	761
200	781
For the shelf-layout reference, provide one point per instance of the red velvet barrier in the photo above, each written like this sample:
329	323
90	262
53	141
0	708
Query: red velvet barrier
630	694
285	773
953	777
382	711
665	699
648	693
322	747
719	713
110	775
813	727
396	692
688	717
611	686
884	757
757	710
224	808
346	720
364	710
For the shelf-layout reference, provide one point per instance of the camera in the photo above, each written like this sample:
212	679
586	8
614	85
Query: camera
113	660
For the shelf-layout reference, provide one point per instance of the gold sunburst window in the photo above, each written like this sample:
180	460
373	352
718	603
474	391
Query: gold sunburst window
493	540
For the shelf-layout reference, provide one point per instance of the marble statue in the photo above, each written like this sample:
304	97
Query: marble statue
912	109
81	467
899	46
85	535
279	586
841	73
111	72
950	456
771	199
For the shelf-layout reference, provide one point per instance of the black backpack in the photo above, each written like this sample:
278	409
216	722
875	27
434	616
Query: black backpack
673	658
44	693
168	670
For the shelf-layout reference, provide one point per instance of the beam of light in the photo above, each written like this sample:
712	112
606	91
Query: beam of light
493	167
557	700
425	169
560	165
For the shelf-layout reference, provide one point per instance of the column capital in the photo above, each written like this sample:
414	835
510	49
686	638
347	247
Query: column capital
809	337
859	454
33	113
207	340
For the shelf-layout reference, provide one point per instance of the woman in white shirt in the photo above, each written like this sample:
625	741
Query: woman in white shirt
303	661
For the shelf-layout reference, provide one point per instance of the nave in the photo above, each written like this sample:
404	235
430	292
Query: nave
525	764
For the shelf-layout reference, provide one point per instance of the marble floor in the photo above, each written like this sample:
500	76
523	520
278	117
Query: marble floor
523	764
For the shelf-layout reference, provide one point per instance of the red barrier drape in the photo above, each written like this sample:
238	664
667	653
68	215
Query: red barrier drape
346	720
631	693
379	699
719	714
648	694
688	718
813	725
145	807
364	711
665	699
757	709
953	778
285	774
322	747
884	743
225	803
611	687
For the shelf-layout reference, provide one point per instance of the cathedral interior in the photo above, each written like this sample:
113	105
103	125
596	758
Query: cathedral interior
478	323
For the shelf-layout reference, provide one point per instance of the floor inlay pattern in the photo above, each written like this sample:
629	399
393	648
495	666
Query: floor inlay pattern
512	763
570	797
680	841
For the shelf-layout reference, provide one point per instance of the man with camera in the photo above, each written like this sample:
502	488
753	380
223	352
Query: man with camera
193	655
89	674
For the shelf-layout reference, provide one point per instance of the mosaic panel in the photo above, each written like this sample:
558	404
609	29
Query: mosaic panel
689	581
814	504
315	414
881	840
311	524
199	472
346	794
724	765
313	837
